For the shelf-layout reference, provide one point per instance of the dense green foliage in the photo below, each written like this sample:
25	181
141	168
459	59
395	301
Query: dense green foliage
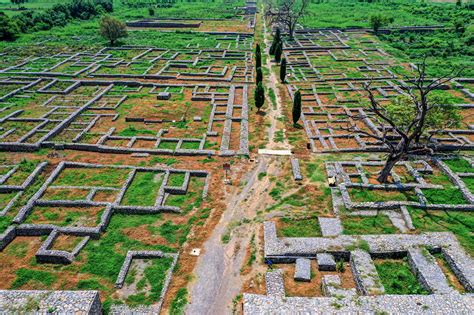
283	70
259	96
112	29
350	13
296	112
58	15
445	49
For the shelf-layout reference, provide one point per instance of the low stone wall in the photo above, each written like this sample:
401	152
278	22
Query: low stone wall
47	302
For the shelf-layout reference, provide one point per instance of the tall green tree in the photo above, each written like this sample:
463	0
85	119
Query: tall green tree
259	96
376	21
9	30
283	70
296	107
258	76
278	51
275	42
258	57
112	29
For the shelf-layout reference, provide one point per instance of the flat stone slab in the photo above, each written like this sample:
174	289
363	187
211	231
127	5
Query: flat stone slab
326	262
274	152
295	166
163	96
330	226
303	269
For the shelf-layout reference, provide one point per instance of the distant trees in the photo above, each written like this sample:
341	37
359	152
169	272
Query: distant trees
151	11
18	2
58	15
259	96
296	112
278	52
290	12
283	70
377	20
8	28
275	42
112	29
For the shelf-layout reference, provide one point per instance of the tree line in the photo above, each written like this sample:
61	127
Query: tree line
59	15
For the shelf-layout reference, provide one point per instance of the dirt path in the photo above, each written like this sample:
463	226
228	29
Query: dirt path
273	113
217	275
218	279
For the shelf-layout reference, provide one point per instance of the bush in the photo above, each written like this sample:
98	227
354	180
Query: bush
9	29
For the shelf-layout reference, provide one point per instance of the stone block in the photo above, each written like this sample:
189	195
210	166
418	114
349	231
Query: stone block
163	96
326	262
303	269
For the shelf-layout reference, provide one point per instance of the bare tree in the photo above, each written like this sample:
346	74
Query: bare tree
290	12
406	126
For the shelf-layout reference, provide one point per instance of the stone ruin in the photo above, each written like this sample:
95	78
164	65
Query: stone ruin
368	296
72	116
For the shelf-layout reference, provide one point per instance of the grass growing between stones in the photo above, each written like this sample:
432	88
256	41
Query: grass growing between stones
306	227
149	287
143	189
397	277
379	224
459	165
366	195
448	195
179	302
458	222
105	257
42	278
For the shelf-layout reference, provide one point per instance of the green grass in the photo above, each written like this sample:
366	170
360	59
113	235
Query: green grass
105	257
92	177
154	277
449	195
459	165
291	227
175	179
90	284
131	131
397	277
348	13
179	302
24	276
458	222
367	195
379	224
143	189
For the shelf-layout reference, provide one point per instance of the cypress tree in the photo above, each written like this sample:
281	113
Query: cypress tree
259	76
258	57
278	51
296	107
259	96
275	42
283	70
